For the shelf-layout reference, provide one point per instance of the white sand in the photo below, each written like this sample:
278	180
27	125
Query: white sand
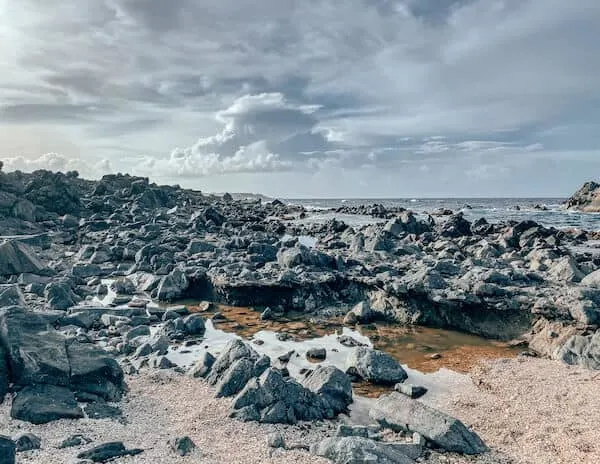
533	411
161	406
527	410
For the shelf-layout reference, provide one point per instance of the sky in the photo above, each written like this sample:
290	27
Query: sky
307	98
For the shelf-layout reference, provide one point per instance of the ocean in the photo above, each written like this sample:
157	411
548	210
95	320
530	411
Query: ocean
492	209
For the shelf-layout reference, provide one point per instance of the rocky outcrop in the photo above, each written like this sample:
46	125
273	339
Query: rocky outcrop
272	398
51	368
587	198
264	394
400	412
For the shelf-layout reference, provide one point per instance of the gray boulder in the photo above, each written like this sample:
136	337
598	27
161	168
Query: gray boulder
235	377
400	412
581	350
276	399
565	270
17	258
203	365
7	450
108	452
194	325
85	270
40	404
11	295
172	286
199	246
36	353
332	386
375	366
234	350
93	370
60	296
359	450
361	313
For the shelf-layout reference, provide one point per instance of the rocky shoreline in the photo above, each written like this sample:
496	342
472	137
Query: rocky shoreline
87	267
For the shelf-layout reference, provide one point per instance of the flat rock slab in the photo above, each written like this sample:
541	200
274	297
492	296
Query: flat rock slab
40	404
359	450
400	412
108	451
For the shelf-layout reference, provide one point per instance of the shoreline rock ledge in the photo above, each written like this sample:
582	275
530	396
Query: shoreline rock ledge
586	199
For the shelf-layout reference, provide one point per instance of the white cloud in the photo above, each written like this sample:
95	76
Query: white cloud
57	162
333	85
260	133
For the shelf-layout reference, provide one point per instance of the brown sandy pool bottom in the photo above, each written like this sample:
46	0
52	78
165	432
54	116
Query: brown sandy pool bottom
432	357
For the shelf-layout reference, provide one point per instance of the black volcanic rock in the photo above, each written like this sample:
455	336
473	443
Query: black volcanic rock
587	198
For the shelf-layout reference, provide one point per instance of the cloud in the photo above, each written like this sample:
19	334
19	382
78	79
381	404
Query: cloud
319	89
57	162
260	133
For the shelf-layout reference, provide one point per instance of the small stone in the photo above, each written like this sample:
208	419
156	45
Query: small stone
412	391
285	358
28	442
203	366
101	410
283	337
316	353
348	341
162	362
435	356
74	440
275	440
182	446
267	315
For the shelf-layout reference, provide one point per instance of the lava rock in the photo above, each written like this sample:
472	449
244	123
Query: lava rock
28	442
182	446
402	413
359	450
375	366
316	353
74	440
40	404
108	451
7	450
